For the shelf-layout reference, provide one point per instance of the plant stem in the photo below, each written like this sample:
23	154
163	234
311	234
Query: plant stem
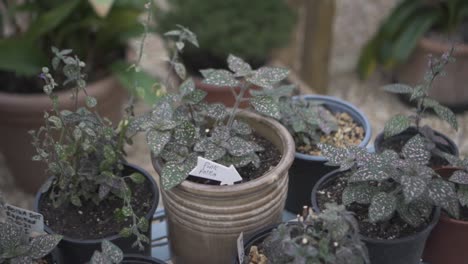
244	87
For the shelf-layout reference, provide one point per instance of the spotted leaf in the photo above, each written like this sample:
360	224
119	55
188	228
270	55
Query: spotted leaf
216	111
266	77
241	128
220	78
112	252
396	125
413	187
239	66
266	105
382	207
359	193
185	133
43	245
441	191
414	213
462	194
460	177
447	115
239	147
187	87
416	151
369	174
157	140
173	174
398	88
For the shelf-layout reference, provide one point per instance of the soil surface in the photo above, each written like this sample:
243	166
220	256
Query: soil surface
91	221
349	133
269	158
397	144
395	228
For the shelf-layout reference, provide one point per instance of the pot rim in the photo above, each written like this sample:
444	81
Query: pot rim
334	174
149	215
439	47
349	108
148	259
270	176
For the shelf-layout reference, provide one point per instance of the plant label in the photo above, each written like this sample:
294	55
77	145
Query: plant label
214	171
101	7
240	248
29	221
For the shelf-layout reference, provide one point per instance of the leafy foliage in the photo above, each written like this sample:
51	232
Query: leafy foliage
419	95
459	178
83	152
251	34
100	38
390	183
182	127
329	237
399	34
18	247
109	254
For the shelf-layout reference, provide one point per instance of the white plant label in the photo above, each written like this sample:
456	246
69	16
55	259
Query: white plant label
29	221
214	171
240	248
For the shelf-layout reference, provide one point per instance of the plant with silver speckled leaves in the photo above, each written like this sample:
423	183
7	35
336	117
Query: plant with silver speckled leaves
389	185
109	254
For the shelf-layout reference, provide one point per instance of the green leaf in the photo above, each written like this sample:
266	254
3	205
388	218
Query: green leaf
55	120
43	245
187	87
413	187
369	174
91	101
266	105
99	258
396	125
185	133
462	194
180	70
51	19
266	77
459	177
21	56
173	174
398	88
416	151
441	192
195	97
112	252
239	66
239	147
447	115
125	232
75	200
11	235
143	224
137	178
220	78
157	140
216	111
337	156
360	193
382	207
241	128
414	213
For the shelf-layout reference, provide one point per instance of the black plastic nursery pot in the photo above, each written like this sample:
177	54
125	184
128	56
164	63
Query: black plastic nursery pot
405	250
306	170
255	239
404	136
138	259
76	251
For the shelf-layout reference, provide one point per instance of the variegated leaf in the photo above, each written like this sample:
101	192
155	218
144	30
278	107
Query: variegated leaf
220	78
239	66
359	193
441	191
416	151
459	177
157	140
447	115
413	187
462	194
398	88
382	207
112	252
266	105
239	146
396	125
266	77
368	174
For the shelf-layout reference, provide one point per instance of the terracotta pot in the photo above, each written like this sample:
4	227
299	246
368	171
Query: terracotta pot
449	239
306	170
23	112
204	221
449	90
219	94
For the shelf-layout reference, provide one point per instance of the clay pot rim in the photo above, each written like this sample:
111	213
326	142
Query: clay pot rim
333	174
350	109
439	47
39	101
270	176
149	215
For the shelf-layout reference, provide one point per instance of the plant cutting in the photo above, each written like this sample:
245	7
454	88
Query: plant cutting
96	32
329	237
313	119
396	199
445	244
414	30
399	128
182	130
92	194
112	254
257	29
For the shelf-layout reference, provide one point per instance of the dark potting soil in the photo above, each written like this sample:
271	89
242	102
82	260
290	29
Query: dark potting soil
397	144
92	221
395	228
269	158
349	133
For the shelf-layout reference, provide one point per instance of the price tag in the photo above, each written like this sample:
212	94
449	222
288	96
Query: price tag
29	221
214	171
240	248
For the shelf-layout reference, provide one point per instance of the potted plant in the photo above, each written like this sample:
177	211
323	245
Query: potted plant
181	129
329	237
97	34
313	119
112	254
400	128
413	31
445	244
18	247
92	194
254	30
396	199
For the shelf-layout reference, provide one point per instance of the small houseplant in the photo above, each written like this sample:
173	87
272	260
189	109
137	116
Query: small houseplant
99	37
445	244
181	128
329	237
92	194
396	199
414	30
254	30
18	247
111	254
399	128
312	119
